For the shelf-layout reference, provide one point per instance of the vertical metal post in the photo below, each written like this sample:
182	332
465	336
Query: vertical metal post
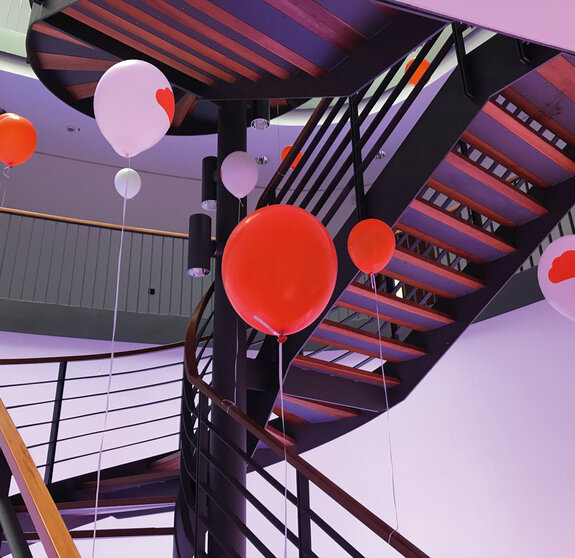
356	158
56	413
457	29
8	519
303	521
229	351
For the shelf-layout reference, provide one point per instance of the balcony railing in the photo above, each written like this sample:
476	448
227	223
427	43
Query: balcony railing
71	262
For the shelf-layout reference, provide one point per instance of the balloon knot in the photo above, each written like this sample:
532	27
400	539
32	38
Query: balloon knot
282	338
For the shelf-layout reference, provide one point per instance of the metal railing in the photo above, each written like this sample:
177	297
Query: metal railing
70	262
58	405
307	531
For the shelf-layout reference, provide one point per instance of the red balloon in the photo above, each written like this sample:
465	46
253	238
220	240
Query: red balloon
279	269
370	245
17	139
297	159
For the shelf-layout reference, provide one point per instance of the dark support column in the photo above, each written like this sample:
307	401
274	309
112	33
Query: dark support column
57	411
10	525
229	340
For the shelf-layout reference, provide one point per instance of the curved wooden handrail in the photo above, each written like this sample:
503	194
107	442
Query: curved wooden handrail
96	356
190	361
368	518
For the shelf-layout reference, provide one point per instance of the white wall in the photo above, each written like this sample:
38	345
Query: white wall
483	448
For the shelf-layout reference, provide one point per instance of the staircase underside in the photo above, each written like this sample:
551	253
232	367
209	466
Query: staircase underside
210	51
483	182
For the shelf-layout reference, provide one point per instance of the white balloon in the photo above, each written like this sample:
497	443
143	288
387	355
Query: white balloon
127	183
239	173
556	275
134	106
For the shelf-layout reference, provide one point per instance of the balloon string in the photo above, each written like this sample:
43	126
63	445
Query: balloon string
112	346
5	178
237	331
280	379
372	277
281	340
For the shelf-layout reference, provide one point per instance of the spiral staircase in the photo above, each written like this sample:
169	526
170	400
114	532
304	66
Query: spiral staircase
479	168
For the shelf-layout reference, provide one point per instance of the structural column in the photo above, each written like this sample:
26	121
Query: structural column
229	363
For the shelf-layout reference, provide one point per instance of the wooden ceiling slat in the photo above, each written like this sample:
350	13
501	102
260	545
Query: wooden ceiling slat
169	31
82	90
220	15
154	40
185	107
45	29
129	41
217	37
52	61
321	22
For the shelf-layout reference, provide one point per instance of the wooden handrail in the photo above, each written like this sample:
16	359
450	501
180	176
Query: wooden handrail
97	356
47	520
350	504
191	333
112	226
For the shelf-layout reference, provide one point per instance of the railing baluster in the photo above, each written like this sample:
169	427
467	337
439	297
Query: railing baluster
303	520
56	413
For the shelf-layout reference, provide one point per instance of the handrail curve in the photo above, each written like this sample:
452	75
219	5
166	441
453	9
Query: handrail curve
346	501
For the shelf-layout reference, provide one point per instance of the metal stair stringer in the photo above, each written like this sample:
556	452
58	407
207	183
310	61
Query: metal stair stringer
490	67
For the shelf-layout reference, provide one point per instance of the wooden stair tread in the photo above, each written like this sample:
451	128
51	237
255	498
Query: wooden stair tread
476	171
168	463
117	505
289	417
330	409
427	265
388	303
442	244
361	341
336	369
518	128
503	160
560	73
470	203
536	113
132	480
114	533
460	225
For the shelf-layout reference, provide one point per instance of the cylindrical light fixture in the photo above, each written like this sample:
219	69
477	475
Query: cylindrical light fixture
209	169
199	245
260	114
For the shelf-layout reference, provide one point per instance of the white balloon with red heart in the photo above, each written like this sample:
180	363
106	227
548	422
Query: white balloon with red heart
134	106
556	275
